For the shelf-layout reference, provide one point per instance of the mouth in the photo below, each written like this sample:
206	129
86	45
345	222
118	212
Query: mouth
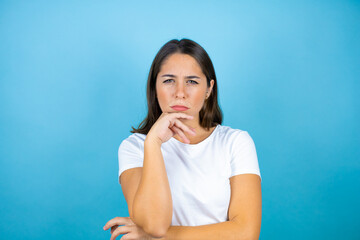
179	108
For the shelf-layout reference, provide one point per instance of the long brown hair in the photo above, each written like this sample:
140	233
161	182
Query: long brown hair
210	115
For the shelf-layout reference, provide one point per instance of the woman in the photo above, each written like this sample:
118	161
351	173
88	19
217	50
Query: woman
183	174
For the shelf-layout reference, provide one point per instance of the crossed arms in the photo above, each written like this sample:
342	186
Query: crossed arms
147	193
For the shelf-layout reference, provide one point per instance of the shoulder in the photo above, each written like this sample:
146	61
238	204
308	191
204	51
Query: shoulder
235	140
135	140
136	137
229	134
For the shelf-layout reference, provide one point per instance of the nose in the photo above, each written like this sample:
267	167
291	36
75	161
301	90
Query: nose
179	91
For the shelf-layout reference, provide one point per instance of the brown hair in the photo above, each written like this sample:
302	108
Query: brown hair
210	115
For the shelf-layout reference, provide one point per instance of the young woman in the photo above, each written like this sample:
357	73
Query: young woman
183	174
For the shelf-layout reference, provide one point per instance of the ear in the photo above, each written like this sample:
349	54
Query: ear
209	90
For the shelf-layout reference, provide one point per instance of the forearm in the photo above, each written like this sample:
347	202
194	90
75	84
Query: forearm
228	230
152	206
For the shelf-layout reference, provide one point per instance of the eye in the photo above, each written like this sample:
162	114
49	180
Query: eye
193	82
168	80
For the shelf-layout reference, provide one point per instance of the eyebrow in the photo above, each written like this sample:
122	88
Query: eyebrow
171	75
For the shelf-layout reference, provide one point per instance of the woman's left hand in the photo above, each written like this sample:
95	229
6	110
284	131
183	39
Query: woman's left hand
131	230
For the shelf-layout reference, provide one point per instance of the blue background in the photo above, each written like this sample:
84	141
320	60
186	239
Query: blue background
72	83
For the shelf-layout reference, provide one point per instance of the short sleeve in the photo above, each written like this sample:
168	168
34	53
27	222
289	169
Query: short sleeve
130	155
243	155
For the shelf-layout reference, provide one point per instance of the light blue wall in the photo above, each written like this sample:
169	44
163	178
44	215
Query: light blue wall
72	83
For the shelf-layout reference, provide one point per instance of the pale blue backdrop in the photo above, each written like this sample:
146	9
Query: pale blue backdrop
72	83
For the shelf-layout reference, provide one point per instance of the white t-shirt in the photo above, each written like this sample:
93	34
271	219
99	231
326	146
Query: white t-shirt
199	173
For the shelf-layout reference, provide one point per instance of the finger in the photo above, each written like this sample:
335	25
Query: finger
115	221
181	115
185	128
131	235
120	230
181	134
113	228
129	222
127	236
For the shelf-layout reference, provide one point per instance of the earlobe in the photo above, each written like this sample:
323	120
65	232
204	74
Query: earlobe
208	92
207	95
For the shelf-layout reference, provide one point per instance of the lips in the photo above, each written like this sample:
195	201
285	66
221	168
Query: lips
179	108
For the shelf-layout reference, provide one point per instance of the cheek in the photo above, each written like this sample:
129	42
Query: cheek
199	99
162	95
162	92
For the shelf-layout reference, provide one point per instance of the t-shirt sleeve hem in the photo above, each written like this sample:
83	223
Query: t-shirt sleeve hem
246	172
128	166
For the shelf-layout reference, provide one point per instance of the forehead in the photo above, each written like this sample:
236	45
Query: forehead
178	63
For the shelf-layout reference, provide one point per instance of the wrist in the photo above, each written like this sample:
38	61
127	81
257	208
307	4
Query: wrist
152	141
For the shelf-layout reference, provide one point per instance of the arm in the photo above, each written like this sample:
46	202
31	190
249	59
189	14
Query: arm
224	230
152	203
244	214
147	189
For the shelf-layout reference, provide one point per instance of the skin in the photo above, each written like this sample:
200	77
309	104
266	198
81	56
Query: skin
184	126
180	90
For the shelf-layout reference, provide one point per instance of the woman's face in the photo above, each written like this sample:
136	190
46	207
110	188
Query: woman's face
182	82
